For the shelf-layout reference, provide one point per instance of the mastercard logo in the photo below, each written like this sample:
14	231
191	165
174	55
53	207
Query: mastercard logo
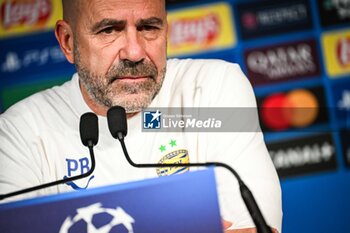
298	108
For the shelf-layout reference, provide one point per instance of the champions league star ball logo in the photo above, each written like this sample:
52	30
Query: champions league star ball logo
96	219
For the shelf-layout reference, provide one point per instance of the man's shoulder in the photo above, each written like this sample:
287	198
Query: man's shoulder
206	72
195	64
220	82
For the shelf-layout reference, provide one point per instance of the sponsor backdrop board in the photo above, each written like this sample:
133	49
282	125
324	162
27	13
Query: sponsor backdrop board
295	53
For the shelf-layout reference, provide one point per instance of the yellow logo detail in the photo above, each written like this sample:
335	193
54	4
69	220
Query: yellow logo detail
199	29
26	16
175	157
336	48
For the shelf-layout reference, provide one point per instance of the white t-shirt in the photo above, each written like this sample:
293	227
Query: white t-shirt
40	140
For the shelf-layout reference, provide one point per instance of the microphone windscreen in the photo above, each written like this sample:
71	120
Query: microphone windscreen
89	129
117	121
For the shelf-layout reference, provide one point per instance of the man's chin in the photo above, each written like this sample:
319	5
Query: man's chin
133	103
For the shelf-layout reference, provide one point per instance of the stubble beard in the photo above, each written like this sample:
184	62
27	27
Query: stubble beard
108	91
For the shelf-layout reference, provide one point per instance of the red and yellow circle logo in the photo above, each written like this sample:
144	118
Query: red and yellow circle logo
298	108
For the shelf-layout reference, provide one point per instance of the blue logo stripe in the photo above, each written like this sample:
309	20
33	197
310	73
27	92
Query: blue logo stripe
75	186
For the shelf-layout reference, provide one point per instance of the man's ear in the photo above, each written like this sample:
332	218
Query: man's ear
64	35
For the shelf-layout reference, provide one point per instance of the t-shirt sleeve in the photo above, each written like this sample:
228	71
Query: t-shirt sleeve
18	168
244	149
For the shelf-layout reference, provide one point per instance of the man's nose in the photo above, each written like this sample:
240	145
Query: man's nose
133	48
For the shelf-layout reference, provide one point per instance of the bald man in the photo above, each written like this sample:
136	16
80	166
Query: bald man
119	50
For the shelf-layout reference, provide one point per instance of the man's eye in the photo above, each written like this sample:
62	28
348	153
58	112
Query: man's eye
108	30
148	28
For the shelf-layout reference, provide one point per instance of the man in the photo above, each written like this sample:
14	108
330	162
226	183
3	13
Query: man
119	50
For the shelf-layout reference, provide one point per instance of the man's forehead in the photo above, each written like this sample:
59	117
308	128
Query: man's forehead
163	2
123	4
122	9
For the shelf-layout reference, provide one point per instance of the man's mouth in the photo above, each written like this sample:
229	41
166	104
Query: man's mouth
132	77
129	78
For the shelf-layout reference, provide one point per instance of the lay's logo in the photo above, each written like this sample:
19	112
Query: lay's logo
200	29
343	51
203	30
21	16
336	47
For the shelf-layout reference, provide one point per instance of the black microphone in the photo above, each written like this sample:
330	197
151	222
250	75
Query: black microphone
117	123
89	137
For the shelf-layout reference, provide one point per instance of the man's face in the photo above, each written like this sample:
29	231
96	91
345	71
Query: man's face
120	51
